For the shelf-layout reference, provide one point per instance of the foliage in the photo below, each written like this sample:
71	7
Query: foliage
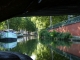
59	57
2	49
44	53
61	36
66	36
43	22
44	35
14	23
55	38
57	19
40	22
54	35
18	23
57	43
2	25
67	22
26	47
61	39
28	24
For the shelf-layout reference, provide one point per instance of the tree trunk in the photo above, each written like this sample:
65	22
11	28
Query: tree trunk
50	20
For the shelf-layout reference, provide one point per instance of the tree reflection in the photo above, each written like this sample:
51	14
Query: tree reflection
30	47
26	47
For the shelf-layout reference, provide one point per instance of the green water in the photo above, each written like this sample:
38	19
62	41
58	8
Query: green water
33	47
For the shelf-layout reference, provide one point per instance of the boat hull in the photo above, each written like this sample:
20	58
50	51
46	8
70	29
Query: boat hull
8	40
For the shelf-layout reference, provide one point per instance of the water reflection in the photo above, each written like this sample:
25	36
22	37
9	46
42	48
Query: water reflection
8	45
24	45
14	44
30	45
25	38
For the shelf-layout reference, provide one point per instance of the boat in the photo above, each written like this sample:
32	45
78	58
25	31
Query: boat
8	36
8	39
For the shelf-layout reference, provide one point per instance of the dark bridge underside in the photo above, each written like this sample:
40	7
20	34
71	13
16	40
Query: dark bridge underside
12	8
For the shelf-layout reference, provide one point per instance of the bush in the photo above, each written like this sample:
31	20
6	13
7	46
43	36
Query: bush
54	35
60	36
44	36
55	38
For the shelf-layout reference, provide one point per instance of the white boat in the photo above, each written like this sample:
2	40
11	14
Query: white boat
8	39
8	36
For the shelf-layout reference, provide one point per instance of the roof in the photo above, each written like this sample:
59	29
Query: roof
13	8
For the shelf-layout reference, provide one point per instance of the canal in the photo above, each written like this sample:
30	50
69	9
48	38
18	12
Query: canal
32	47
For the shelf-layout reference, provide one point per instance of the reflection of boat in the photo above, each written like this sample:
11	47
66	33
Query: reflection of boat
9	45
19	35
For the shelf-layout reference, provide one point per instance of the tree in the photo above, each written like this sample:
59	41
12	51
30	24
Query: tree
2	25
28	24
14	23
44	21
18	23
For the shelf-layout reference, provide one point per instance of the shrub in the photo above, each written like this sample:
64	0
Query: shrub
44	36
60	36
54	35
